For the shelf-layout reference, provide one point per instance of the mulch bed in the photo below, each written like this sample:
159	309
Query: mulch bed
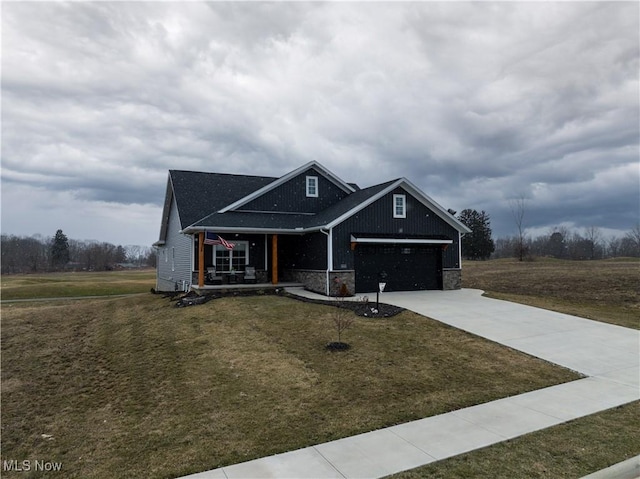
192	298
361	308
338	346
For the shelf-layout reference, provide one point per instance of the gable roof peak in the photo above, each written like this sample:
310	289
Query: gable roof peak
283	179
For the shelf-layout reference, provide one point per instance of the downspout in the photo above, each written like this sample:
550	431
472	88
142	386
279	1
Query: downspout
329	257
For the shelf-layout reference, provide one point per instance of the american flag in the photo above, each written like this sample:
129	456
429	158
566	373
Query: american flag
211	238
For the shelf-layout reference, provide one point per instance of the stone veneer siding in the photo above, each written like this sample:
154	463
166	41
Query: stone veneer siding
336	278
451	279
316	280
313	280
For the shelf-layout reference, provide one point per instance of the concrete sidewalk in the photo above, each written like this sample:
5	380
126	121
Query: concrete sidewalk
608	354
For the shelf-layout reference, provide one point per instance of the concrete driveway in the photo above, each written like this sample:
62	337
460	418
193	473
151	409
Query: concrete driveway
607	354
589	347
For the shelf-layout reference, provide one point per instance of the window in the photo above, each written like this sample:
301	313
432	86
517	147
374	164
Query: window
399	206
231	260
312	186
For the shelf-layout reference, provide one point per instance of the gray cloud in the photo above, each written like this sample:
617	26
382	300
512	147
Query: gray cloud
476	103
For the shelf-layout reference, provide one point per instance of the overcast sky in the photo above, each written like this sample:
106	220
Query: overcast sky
475	103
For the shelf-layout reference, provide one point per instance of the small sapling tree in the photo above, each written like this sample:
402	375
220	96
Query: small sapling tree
343	319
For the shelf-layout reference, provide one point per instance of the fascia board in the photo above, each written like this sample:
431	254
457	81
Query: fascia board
337	180
166	209
434	206
355	239
214	229
284	179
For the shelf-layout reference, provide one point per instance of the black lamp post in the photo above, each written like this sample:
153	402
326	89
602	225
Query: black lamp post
382	277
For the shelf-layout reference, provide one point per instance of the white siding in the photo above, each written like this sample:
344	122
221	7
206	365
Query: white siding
174	257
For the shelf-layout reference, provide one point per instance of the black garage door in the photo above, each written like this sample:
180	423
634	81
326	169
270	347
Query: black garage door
405	267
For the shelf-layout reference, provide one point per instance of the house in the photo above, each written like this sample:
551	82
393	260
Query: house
308	226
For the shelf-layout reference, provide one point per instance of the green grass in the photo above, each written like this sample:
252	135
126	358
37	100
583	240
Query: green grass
132	387
64	285
574	449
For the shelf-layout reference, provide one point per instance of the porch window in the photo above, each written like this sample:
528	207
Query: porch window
312	186
235	259
399	206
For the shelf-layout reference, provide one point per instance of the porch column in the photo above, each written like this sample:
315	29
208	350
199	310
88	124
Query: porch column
274	259
201	259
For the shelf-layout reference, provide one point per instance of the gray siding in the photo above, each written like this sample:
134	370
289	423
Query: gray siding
292	196
174	257
377	218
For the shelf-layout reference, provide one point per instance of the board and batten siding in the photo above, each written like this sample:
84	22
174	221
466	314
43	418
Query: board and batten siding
303	252
377	218
174	257
292	196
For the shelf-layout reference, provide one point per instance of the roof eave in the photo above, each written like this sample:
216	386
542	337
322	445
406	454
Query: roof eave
249	230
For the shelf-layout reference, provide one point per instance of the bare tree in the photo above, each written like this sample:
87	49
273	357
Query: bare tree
594	236
632	240
518	209
613	247
342	318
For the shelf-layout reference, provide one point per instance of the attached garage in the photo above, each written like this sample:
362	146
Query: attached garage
404	264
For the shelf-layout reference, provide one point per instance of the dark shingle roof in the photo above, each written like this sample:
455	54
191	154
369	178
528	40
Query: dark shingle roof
199	194
239	219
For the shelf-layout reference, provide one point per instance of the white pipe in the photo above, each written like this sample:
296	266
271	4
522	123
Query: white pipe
329	257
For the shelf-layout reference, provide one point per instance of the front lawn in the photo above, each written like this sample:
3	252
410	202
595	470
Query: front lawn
136	388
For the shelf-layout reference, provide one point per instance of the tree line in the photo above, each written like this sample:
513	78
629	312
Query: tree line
563	243
38	254
560	242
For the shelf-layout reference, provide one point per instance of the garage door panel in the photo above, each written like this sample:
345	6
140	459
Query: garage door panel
406	268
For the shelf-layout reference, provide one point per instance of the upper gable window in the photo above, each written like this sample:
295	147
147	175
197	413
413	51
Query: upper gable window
399	206
312	186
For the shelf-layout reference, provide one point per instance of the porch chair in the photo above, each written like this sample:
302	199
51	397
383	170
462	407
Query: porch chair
211	276
250	274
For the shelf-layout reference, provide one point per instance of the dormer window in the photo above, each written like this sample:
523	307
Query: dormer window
312	186
399	206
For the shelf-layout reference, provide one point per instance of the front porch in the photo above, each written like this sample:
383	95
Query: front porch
273	261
